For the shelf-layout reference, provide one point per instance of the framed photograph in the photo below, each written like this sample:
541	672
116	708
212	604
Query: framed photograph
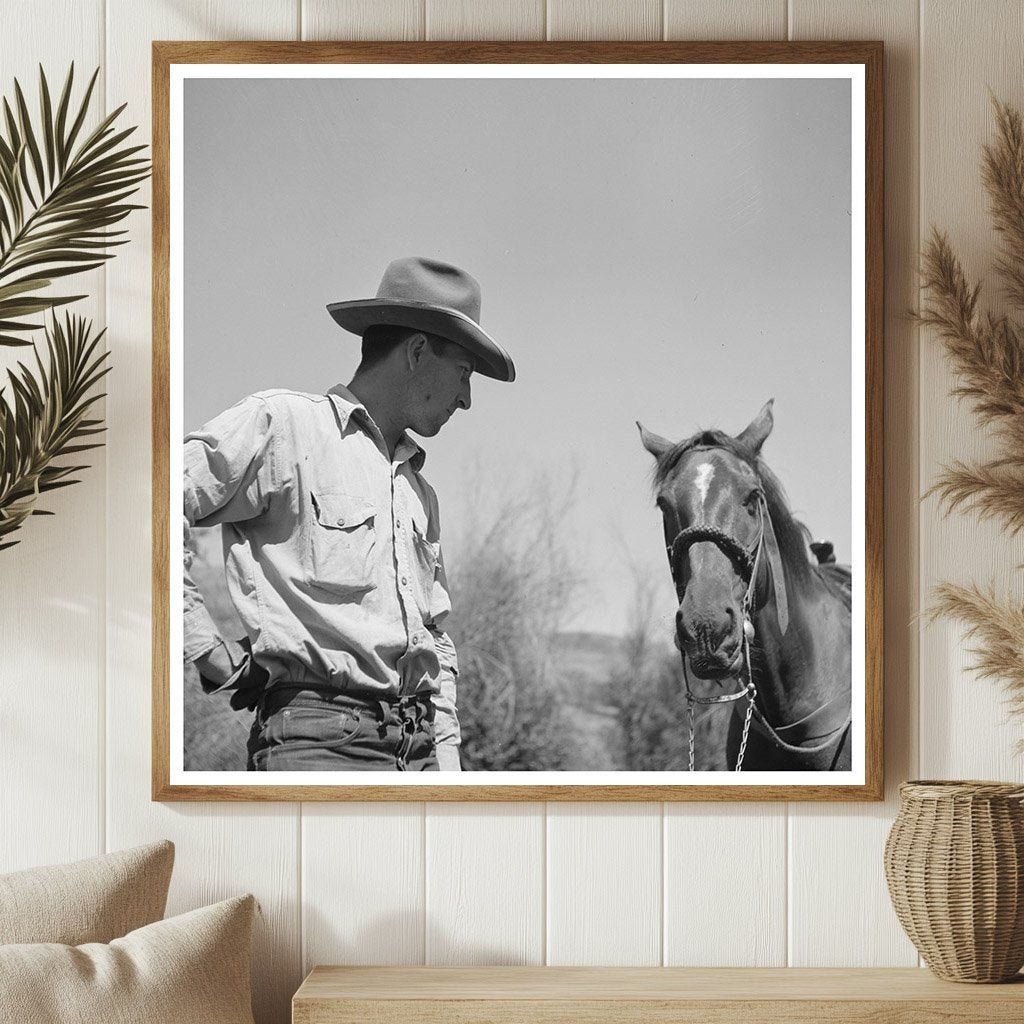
517	421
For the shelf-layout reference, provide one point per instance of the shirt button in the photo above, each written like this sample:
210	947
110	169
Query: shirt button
341	522
398	524
417	637
404	581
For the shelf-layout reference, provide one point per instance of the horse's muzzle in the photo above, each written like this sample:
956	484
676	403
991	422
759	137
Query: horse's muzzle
710	655
716	667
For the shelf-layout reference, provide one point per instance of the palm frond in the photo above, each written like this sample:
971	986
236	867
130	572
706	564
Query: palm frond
46	419
60	199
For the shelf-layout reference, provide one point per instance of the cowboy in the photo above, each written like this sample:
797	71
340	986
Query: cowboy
331	539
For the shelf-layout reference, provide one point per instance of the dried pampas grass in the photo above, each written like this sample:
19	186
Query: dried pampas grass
995	629
987	355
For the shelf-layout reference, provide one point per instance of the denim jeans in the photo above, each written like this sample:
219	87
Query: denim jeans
303	729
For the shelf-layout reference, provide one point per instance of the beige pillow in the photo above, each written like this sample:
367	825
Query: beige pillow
92	900
190	969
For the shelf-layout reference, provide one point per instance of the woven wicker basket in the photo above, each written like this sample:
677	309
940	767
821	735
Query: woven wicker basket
954	861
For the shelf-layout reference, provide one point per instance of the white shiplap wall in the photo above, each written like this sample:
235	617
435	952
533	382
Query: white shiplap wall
508	883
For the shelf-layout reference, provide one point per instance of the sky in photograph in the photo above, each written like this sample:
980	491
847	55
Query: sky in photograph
670	251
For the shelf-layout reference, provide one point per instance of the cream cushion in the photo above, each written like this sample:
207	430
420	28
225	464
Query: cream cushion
92	900
190	969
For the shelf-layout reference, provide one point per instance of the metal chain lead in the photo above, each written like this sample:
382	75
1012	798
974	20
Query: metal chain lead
750	690
751	696
689	707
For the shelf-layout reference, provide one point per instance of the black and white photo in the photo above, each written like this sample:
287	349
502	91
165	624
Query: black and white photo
523	419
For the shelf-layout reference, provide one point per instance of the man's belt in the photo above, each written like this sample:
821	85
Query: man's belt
282	694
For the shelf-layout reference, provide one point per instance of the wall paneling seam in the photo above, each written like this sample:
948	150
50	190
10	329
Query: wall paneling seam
787	918
546	899
544	888
300	822
664	858
102	732
787	838
300	884
915	642
424	874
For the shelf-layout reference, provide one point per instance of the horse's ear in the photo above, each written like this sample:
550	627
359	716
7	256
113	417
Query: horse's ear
656	445
756	432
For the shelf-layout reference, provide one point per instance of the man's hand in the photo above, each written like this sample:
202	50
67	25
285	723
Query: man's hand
230	665
218	666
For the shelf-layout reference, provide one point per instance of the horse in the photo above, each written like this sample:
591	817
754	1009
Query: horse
757	618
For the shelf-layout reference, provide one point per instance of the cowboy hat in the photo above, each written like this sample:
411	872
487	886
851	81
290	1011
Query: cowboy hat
434	297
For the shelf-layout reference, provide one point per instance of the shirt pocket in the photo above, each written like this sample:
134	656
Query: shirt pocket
427	555
342	542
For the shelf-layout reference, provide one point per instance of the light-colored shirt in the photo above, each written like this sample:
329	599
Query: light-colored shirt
332	550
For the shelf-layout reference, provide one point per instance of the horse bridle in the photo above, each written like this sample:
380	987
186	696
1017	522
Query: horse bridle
747	561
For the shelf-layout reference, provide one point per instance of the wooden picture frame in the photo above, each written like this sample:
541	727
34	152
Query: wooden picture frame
858	63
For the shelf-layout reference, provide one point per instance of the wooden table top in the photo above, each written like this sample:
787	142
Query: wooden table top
645	983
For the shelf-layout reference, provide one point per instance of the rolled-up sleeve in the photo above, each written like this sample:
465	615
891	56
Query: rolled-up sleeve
447	733
230	476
